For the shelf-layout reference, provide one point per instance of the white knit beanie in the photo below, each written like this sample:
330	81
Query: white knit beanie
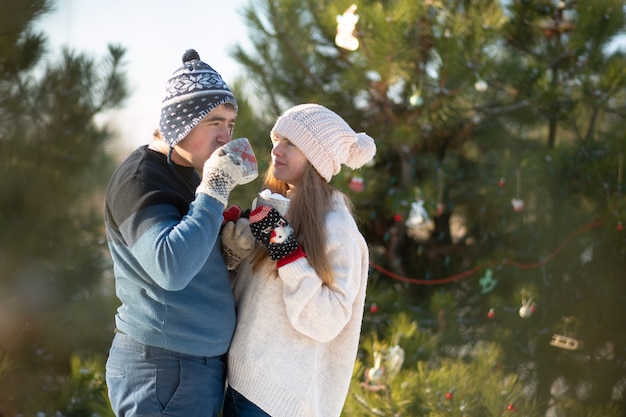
324	138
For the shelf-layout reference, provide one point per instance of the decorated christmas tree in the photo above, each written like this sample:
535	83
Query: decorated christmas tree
494	209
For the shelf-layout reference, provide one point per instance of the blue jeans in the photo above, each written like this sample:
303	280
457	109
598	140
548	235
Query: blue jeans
148	381
236	405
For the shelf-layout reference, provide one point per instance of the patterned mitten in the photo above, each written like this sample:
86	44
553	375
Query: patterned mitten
237	242
222	171
274	232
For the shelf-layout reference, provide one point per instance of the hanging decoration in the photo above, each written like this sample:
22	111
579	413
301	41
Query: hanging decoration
418	217
416	97
356	184
480	85
440	185
587	255
528	306
488	283
517	202
346	23
394	359
563	341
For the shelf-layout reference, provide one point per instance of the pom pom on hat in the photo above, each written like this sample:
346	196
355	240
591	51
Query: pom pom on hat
325	139
192	92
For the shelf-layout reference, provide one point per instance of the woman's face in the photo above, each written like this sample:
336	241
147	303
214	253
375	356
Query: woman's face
288	161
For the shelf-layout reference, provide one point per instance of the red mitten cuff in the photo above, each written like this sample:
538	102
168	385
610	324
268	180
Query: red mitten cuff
232	214
293	256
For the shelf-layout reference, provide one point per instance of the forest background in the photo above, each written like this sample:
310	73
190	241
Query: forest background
494	209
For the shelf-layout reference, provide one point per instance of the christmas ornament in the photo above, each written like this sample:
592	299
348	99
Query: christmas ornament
517	202
480	86
374	375
487	282
416	97
528	307
587	255
440	186
356	184
525	311
345	29
564	342
418	216
394	360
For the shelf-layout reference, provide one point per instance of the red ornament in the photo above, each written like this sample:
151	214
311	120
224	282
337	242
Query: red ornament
449	395
356	184
619	227
397	217
491	313
374	308
501	183
510	407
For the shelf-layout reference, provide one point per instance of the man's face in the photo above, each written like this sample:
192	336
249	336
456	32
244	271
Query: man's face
213	131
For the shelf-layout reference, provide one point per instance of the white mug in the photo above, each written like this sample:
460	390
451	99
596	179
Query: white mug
243	150
278	201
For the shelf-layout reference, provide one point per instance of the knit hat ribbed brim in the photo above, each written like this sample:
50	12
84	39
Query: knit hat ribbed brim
192	92
325	139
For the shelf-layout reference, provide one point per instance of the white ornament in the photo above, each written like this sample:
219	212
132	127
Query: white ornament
345	29
394	359
587	255
525	311
481	86
418	216
518	204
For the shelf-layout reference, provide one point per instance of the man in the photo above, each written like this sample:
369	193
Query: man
163	221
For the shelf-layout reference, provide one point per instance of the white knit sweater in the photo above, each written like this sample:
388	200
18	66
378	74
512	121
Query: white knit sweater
296	340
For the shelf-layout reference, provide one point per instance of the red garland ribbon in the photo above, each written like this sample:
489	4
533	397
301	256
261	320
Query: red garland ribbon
472	271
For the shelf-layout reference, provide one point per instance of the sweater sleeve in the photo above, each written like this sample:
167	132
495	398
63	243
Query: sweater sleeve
170	250
160	244
316	310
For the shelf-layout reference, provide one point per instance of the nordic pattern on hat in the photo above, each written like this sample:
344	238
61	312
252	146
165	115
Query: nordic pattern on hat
191	93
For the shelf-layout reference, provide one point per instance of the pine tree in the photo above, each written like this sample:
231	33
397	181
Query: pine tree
494	210
53	171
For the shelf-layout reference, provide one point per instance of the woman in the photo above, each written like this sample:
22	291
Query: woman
300	297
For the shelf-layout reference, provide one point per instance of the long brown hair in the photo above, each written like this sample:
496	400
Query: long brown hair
307	210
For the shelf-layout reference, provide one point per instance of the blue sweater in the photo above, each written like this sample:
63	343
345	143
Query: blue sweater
169	272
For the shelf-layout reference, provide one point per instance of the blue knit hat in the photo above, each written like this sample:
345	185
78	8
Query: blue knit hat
192	92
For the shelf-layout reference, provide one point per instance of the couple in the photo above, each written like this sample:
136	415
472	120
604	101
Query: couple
287	329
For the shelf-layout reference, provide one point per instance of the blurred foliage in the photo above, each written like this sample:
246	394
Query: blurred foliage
54	295
475	106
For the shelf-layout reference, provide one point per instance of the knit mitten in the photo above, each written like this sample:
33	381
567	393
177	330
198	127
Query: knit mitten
274	232
222	171
237	242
